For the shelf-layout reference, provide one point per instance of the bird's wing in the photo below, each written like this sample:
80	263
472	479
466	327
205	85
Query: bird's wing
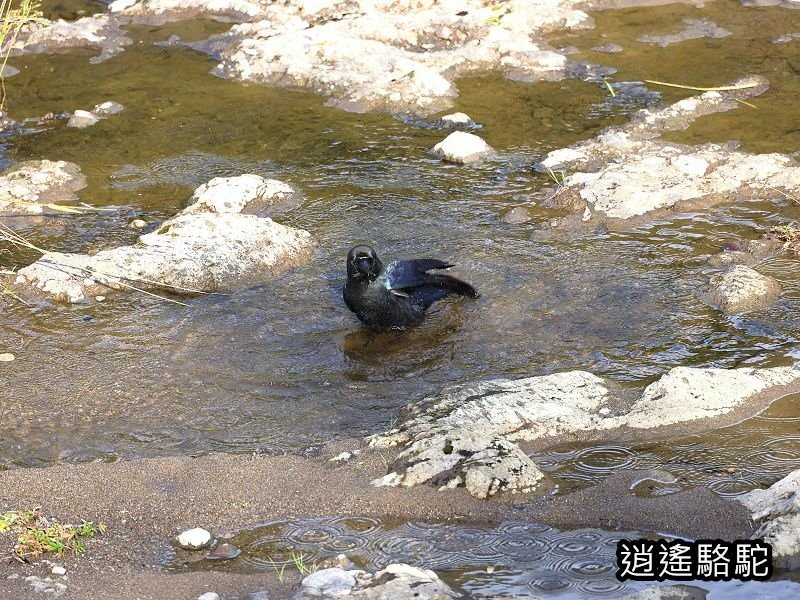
410	278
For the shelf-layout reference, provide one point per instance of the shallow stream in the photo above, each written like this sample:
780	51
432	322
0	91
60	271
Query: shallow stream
284	366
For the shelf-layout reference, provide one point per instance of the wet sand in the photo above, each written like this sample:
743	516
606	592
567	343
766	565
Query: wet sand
144	503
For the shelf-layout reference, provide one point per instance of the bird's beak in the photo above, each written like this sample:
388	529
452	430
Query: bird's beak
364	265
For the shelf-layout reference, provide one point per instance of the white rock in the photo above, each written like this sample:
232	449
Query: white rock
209	596
82	118
107	109
194	539
246	194
740	289
102	32
329	583
690	394
467	433
458	120
196	251
7	357
627	171
138	224
28	185
58	570
776	510
463	148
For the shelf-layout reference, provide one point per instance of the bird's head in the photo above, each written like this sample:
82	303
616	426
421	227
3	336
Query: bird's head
363	263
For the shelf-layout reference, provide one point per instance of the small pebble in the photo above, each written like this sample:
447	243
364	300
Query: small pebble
58	570
99	298
209	596
138	224
7	357
194	539
730	470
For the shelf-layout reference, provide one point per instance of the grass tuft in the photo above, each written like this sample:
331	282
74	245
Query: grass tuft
37	535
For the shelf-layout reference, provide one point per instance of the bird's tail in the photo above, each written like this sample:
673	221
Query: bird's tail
453	285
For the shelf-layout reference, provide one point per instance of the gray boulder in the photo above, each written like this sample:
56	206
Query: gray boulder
740	289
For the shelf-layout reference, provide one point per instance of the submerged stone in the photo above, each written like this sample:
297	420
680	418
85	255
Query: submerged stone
82	118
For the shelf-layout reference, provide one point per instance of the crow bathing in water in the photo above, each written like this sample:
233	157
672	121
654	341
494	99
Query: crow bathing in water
397	295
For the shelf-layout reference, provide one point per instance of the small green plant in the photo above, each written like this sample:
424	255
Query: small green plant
37	535
299	561
12	20
298	558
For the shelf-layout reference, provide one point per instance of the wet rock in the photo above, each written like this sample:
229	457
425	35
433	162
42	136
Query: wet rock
463	148
731	258
108	108
786	38
138	224
85	118
626	172
25	188
697	28
245	194
82	118
405	582
669	592
102	32
329	583
517	215
610	48
776	511
196	251
396	581
784	3
395	56
469	432
8	71
740	289
458	121
194	539
484	464
224	552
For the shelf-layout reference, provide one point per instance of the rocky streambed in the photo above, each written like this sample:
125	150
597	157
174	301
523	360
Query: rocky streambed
176	354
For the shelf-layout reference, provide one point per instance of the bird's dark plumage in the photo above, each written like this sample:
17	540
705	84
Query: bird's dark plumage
396	295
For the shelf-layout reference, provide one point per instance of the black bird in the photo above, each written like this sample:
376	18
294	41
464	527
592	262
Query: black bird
396	295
